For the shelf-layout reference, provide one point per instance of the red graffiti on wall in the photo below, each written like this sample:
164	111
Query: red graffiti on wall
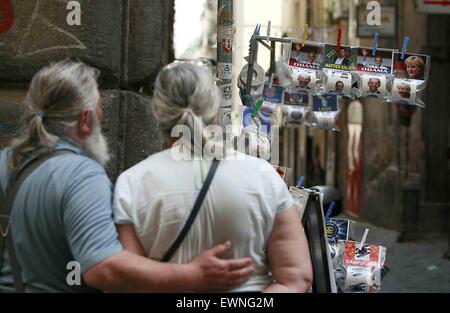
6	15
354	172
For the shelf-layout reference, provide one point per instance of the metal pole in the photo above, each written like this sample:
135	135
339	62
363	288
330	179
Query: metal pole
225	39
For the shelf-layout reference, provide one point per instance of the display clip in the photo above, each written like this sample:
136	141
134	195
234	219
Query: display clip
405	47
375	44
338	47
305	35
300	182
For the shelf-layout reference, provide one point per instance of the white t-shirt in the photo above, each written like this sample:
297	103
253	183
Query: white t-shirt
157	196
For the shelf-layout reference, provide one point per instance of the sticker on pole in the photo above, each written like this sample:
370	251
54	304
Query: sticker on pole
227	45
225	70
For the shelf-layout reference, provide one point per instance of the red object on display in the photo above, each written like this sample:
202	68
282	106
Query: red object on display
400	65
338	46
7	16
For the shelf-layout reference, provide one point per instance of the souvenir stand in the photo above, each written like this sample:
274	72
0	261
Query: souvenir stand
341	262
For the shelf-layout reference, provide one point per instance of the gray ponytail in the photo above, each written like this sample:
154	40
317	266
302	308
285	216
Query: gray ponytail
185	94
57	95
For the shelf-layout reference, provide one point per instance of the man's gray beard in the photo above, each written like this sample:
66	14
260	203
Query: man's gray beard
96	146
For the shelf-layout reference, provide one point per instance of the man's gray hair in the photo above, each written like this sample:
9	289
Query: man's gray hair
57	95
185	94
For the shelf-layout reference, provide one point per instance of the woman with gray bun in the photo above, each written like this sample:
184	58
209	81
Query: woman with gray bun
247	205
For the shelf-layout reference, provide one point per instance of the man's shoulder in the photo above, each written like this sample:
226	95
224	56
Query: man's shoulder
67	161
77	161
72	168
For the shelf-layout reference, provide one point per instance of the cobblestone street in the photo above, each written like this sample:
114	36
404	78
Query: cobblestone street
415	267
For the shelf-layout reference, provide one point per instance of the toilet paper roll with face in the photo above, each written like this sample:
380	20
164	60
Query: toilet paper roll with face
339	82
374	86
404	90
304	79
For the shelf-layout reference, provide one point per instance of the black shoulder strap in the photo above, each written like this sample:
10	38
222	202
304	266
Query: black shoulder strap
197	205
6	204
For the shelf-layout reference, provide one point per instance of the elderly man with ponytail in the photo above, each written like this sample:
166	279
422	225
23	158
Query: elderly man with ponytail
175	204
56	206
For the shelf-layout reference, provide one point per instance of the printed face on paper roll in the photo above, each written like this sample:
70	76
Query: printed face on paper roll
404	90
339	82
374	86
304	79
339	87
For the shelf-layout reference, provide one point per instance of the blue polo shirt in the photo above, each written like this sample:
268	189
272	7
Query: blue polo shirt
62	213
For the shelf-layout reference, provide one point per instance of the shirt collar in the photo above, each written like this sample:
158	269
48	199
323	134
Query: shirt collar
64	143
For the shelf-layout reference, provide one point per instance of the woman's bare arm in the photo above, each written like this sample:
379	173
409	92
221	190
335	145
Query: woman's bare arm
130	240
288	255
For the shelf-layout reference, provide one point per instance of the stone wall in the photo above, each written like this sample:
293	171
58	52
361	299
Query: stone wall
435	204
127	40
